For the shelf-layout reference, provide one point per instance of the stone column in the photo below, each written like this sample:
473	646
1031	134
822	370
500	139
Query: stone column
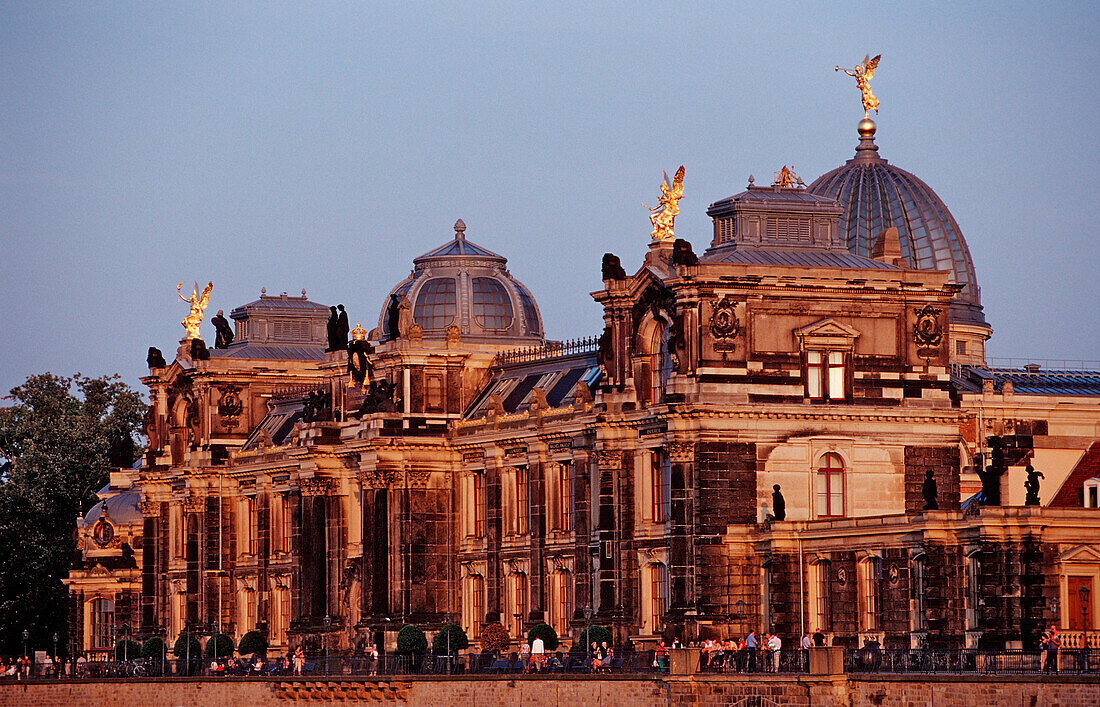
681	555
315	494
150	544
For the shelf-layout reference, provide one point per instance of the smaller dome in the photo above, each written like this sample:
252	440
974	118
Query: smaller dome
463	284
122	509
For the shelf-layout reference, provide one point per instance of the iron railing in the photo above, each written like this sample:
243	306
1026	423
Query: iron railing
974	661
551	349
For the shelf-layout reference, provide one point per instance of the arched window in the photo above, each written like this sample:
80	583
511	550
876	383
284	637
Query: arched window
492	305
830	486
530	314
436	303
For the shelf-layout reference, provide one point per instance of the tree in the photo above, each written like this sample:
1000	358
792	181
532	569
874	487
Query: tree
220	645
547	633
187	645
411	639
125	649
252	643
59	437
154	648
457	640
494	638
599	634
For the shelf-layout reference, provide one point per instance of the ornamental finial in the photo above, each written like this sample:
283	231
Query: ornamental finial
863	74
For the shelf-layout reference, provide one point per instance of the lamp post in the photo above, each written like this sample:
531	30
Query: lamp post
55	656
328	623
1084	592
447	628
587	632
26	635
741	618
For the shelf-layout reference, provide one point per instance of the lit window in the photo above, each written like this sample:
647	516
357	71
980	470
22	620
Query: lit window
562	606
474	604
869	572
830	487
492	305
436	304
656	596
103	622
517	609
560	497
825	375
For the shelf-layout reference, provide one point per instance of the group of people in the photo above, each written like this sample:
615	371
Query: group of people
1049	645
51	667
747	654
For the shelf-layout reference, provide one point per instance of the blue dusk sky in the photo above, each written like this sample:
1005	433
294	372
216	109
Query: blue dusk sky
325	145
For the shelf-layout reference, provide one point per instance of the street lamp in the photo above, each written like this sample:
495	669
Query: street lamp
741	618
587	631
328	623
1084	592
447	628
55	657
26	635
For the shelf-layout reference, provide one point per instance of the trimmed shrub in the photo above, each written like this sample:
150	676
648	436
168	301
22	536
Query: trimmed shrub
547	633
154	648
599	634
126	649
494	638
253	643
220	645
180	649
411	639
458	638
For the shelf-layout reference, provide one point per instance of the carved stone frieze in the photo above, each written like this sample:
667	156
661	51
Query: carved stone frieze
417	478
680	452
318	487
193	504
149	508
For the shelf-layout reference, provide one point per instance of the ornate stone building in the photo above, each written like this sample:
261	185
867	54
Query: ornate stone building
829	341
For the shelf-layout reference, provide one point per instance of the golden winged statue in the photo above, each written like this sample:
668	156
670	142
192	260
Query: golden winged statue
198	303
863	74
664	213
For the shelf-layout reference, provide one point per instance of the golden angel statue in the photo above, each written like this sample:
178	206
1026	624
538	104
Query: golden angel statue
863	73
198	303
664	213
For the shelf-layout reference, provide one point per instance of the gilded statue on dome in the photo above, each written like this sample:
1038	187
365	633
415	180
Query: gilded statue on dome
863	74
664	213
198	303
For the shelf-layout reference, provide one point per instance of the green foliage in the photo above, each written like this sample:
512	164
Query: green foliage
125	649
220	645
154	648
59	438
458	639
411	639
253	643
547	633
494	638
180	650
599	634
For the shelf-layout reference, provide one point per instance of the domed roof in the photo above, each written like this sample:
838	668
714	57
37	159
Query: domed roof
468	286
121	509
876	195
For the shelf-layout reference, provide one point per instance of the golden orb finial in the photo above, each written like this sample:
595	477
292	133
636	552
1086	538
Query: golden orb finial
358	333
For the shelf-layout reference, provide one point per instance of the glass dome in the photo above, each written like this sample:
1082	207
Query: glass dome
462	284
876	195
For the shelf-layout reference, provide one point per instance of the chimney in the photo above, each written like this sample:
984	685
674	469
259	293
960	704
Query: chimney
888	248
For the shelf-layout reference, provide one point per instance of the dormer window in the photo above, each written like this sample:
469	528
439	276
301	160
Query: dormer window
1092	493
825	375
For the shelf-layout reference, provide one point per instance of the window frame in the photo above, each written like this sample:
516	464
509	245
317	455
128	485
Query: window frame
828	472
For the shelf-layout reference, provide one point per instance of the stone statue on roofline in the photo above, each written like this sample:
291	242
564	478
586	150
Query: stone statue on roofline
193	320
224	336
1031	486
930	492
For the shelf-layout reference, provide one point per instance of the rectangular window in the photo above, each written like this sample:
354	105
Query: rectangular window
822	596
520	521
472	504
657	485
518	613
825	375
563	601
868	571
559	499
973	592
245	526
960	348
917	591
474	604
103	622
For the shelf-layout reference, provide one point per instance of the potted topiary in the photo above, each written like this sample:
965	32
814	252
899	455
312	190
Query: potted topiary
155	650
125	649
450	637
187	647
218	646
494	638
548	635
253	643
412	642
599	634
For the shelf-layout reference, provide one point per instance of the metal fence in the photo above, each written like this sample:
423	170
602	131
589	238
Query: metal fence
979	662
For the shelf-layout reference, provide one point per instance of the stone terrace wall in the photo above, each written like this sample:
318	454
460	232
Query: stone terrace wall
756	691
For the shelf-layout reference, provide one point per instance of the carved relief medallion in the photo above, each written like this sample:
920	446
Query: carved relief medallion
724	326
229	406
927	331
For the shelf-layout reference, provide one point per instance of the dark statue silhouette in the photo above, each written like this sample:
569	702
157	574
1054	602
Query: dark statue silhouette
929	491
155	358
224	336
1031	485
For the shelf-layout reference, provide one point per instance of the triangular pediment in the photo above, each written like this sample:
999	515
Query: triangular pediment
1081	553
827	328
